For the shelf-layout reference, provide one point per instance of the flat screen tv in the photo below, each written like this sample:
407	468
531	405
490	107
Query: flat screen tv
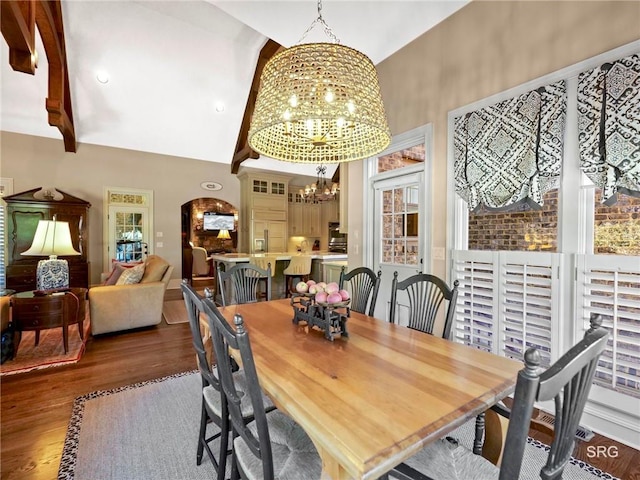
218	221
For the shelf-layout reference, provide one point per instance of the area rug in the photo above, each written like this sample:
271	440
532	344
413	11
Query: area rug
142	431
174	311
49	352
149	430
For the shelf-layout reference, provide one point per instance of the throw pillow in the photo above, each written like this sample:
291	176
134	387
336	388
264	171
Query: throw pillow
154	270
131	275
116	270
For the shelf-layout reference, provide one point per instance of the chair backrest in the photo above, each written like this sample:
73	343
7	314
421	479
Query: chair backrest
264	262
193	302
425	293
200	263
244	278
568	382
226	338
364	285
299	265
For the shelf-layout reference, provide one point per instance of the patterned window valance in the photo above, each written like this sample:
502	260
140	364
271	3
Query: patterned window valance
511	152
609	127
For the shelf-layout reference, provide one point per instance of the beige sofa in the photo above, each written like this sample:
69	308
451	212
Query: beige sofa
122	307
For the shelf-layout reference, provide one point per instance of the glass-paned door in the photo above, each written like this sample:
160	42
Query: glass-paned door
129	227
398	247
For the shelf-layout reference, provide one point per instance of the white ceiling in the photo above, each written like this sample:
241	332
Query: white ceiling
169	62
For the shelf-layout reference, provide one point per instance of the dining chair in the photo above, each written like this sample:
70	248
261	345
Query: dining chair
299	267
364	285
243	279
211	409
567	382
273	446
213	401
425	293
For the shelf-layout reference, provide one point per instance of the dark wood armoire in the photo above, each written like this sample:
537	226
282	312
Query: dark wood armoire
24	210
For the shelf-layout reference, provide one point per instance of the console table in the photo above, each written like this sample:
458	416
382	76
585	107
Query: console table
39	312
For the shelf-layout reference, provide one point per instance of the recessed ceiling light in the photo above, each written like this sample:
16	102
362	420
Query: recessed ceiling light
219	107
102	76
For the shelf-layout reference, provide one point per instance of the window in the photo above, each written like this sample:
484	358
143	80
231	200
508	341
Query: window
400	225
277	188
402	158
260	186
533	277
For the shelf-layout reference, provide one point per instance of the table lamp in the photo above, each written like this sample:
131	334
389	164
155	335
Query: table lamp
52	239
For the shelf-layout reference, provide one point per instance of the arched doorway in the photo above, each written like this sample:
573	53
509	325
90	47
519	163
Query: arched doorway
193	231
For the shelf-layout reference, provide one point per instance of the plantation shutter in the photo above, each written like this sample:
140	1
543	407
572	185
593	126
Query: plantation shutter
610	286
477	303
511	152
529	304
609	127
508	302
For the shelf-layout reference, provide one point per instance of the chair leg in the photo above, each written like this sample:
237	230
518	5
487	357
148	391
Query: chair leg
477	441
235	473
224	445
202	433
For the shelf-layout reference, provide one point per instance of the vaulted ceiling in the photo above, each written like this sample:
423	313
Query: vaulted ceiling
172	64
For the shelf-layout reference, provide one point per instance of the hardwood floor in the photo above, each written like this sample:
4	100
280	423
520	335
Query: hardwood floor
36	406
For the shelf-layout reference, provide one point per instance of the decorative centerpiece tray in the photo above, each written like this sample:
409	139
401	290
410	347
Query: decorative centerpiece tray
331	318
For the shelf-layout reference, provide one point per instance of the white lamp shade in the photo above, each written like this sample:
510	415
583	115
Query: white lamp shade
52	238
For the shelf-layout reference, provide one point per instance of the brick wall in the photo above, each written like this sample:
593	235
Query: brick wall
519	230
617	228
210	241
403	158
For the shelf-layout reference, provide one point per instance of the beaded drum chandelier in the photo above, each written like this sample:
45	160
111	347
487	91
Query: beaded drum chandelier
319	103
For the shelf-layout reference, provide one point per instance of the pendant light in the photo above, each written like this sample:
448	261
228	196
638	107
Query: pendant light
319	103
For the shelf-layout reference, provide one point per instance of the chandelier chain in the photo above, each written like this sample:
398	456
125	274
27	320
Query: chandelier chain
327	30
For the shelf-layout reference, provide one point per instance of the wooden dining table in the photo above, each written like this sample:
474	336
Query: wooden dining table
373	399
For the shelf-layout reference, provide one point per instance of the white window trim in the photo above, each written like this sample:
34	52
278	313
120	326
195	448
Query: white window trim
608	412
423	134
105	219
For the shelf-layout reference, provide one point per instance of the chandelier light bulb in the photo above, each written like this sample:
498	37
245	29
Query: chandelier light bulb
328	96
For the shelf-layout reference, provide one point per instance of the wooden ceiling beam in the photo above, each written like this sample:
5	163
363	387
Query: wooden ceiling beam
243	150
19	21
58	103
18	24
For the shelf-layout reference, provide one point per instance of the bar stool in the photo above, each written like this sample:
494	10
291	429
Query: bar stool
264	262
299	267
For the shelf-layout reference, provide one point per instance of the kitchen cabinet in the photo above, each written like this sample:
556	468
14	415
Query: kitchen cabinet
332	270
270	235
23	213
305	220
263	206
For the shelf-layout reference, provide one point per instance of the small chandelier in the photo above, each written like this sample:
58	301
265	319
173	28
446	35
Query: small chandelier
319	102
320	191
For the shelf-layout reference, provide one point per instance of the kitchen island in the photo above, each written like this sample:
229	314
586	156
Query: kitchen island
280	256
282	261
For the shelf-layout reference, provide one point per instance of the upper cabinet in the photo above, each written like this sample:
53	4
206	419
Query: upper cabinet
263	207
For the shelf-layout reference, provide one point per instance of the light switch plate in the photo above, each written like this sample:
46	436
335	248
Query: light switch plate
437	253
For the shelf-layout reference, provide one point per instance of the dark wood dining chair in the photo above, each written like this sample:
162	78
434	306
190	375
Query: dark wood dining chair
364	285
244	279
211	409
273	446
426	293
567	382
